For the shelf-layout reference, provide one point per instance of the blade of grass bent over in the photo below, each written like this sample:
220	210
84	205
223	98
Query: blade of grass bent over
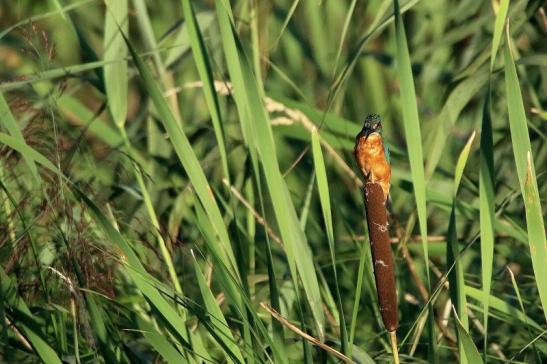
526	173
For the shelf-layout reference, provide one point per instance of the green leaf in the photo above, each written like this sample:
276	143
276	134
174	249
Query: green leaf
324	198
413	136
258	136
498	30
188	160
115	74
453	254
9	122
469	347
522	151
462	160
487	208
10	298
217	320
201	60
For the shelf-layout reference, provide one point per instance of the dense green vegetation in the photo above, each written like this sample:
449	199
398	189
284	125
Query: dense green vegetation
178	185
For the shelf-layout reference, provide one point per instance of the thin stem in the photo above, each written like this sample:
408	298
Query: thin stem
394	350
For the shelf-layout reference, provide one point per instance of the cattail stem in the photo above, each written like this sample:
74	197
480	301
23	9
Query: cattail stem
394	350
378	229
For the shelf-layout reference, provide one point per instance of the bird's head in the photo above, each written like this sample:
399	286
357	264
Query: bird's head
373	124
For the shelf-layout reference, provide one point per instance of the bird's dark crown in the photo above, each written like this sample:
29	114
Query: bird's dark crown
373	124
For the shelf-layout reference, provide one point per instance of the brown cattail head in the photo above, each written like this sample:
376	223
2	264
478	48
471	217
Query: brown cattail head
378	229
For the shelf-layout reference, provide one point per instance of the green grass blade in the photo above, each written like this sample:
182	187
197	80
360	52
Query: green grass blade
258	134
203	66
413	138
148	33
217	319
526	173
498	30
182	39
456	275
324	198
8	121
10	298
411	124
188	159
503	307
536	231
462	161
115	74
357	297
134	268
487	208
344	32
77	112
153	218
468	346
45	15
160	343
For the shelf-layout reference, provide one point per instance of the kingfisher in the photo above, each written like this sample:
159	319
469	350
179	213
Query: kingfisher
372	154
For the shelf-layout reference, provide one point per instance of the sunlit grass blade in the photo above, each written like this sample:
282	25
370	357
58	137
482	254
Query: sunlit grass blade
501	15
258	134
462	161
413	138
115	74
324	197
201	59
522	151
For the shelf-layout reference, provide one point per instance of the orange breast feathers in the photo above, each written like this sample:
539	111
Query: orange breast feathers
371	157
